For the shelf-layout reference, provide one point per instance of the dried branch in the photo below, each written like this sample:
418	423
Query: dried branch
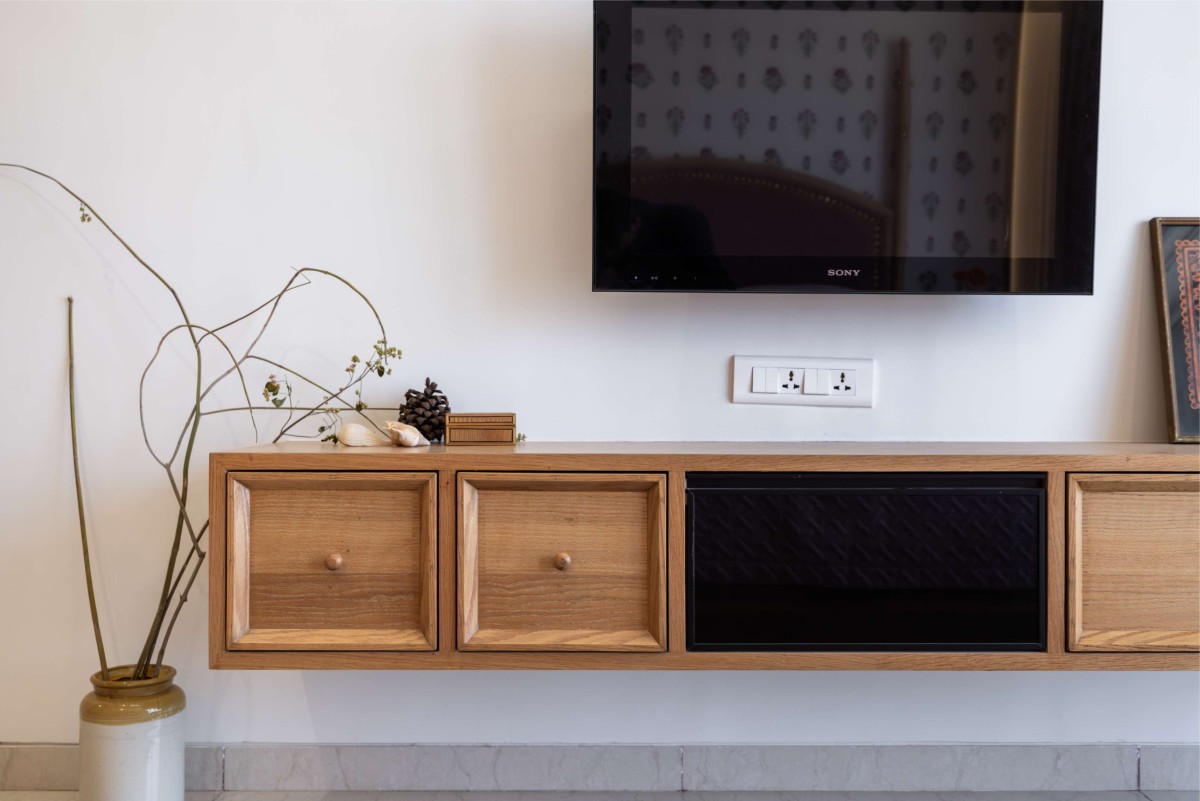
87	559
237	367
182	573
330	395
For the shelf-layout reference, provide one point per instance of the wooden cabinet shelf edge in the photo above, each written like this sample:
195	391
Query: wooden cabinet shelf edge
379	609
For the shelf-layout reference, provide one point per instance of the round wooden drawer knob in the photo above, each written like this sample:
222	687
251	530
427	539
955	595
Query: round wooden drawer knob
335	561
562	561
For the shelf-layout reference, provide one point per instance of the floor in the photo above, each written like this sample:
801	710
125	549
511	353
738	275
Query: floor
1149	795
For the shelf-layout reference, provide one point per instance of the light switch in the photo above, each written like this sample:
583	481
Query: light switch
816	381
765	379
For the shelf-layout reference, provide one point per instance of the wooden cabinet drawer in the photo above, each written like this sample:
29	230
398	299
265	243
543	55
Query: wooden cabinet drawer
1133	574
332	561
562	562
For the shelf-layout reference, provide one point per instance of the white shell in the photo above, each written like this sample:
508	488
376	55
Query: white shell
355	435
405	435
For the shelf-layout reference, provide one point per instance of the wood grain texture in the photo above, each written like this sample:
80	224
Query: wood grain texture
334	639
217	588
473	435
481	418
612	594
447	565
1056	562
385	596
376	530
481	428
238	578
562	639
677	562
751	456
676	459
427	603
468	561
656	526
448	659
1134	562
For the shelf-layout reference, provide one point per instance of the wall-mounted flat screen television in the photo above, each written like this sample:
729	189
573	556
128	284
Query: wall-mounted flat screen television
923	147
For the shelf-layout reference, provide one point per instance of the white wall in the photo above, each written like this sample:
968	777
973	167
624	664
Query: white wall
438	155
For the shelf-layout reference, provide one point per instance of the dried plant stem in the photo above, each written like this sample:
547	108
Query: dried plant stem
142	664
329	393
183	596
181	575
237	367
87	558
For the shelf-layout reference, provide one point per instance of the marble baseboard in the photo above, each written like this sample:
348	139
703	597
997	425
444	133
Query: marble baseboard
460	768
678	795
1170	767
56	767
1164	769
912	768
200	795
39	767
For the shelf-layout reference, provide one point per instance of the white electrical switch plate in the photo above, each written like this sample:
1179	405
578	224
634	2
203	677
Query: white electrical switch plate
760	381
816	381
767	380
803	381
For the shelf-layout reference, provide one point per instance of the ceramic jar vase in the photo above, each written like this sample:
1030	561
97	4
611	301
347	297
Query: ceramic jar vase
131	738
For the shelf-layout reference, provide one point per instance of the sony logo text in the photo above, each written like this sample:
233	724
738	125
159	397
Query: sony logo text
839	273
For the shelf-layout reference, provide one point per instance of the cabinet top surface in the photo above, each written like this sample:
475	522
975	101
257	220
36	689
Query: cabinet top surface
914	456
690	448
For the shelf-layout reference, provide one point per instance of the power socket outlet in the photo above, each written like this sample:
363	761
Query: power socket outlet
790	382
803	381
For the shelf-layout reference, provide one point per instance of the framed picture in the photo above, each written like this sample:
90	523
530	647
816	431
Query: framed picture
1175	245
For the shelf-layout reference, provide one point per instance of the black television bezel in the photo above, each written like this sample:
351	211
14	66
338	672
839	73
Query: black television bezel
1078	133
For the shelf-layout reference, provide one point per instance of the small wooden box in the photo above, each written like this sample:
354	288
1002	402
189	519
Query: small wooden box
481	428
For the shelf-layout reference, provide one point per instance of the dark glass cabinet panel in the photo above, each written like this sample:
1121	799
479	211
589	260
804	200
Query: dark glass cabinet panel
870	562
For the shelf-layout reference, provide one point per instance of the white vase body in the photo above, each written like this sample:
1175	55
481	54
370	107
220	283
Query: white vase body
131	740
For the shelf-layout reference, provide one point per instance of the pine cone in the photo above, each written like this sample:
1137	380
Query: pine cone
426	411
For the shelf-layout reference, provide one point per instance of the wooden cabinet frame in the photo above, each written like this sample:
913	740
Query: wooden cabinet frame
650	637
674	460
1143	551
239	636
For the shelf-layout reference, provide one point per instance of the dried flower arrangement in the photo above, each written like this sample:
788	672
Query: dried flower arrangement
187	551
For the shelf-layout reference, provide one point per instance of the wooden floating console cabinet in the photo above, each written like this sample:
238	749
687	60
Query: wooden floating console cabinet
581	555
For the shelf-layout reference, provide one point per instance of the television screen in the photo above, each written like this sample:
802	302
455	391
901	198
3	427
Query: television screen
925	147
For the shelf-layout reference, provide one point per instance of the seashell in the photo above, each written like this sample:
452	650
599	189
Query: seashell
356	435
404	435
